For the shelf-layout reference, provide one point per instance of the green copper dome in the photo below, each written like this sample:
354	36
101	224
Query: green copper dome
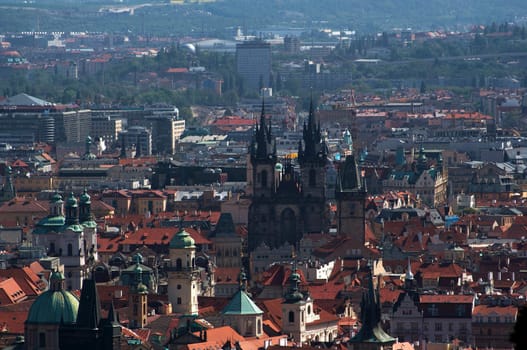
72	201
85	197
56	198
54	306
182	240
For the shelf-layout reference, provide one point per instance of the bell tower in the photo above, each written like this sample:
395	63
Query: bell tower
183	275
294	309
351	198
263	159
138	298
313	158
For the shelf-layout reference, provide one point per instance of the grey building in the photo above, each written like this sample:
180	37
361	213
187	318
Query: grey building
253	63
138	138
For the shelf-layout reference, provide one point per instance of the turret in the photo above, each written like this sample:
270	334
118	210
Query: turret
72	210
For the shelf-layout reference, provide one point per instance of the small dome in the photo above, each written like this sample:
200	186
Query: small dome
54	306
57	276
56	198
72	201
182	240
142	289
85	197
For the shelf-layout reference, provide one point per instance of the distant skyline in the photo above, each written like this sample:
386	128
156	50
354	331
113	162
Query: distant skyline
219	17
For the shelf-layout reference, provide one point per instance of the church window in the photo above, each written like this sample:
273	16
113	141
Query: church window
179	300
259	326
178	264
42	340
291	317
309	309
51	247
70	249
193	262
178	286
312	178
264	179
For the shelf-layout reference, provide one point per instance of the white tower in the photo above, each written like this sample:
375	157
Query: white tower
294	310
183	275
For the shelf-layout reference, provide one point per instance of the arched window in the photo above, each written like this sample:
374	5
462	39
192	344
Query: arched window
312	178
70	249
288	225
264	179
52	248
309	309
178	264
259	326
193	262
291	316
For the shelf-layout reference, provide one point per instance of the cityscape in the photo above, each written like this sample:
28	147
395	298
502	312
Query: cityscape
235	175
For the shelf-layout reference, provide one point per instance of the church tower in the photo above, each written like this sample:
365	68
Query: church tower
371	336
263	159
90	331
183	275
294	309
313	158
7	192
351	198
90	227
313	161
137	302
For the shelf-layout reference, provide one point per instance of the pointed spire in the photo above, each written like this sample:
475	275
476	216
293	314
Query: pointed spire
111	313
262	144
89	314
349	176
371	331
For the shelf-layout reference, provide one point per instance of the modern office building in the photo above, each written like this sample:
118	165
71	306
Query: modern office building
26	119
166	131
138	138
106	128
253	64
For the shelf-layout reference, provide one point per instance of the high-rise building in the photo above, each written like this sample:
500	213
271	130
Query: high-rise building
26	119
138	138
166	131
253	64
106	128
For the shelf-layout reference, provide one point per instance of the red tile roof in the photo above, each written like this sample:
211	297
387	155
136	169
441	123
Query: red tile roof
446	298
30	283
10	292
